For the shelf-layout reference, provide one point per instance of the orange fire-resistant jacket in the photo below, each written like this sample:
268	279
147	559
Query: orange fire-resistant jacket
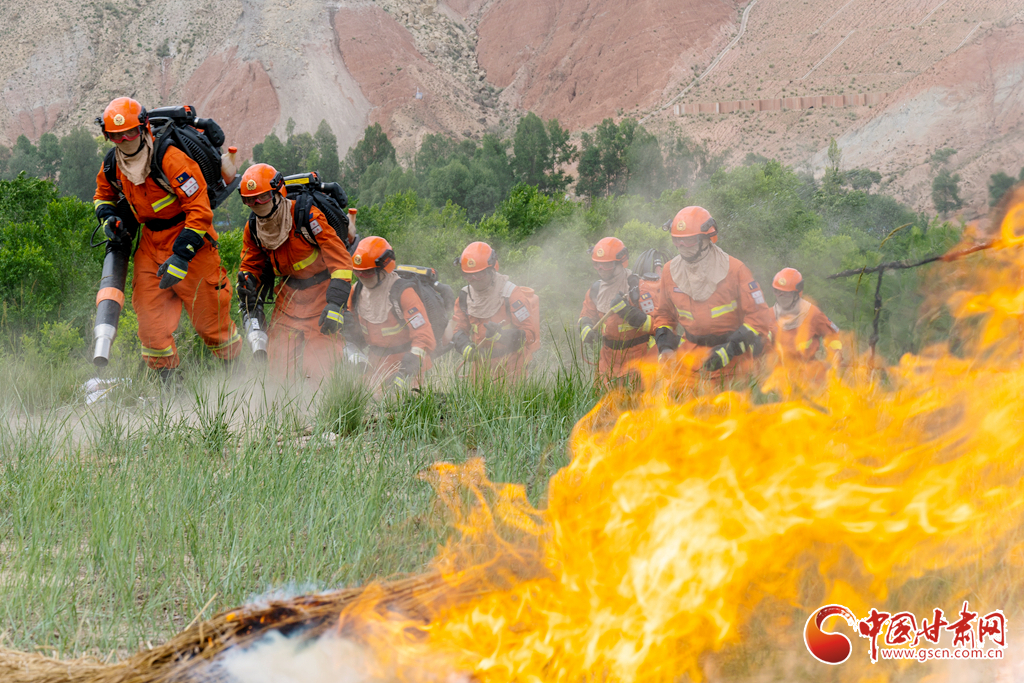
622	344
387	342
802	343
205	292
301	295
297	259
737	300
513	313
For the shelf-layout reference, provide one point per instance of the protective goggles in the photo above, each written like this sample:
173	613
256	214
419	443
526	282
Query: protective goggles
125	135
261	198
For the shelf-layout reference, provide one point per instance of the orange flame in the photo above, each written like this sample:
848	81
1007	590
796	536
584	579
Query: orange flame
675	523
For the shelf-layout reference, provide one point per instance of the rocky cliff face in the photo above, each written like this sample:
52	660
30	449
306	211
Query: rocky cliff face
464	67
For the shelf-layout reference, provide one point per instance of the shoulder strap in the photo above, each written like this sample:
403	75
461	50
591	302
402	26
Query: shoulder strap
594	289
156	164
464	299
507	290
303	205
356	291
250	225
633	281
396	292
110	167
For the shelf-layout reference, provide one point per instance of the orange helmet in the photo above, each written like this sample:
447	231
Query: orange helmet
373	252
610	250
788	280
478	256
260	178
694	220
123	114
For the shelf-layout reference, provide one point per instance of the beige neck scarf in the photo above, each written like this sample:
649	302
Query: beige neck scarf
375	303
607	292
483	302
274	229
792	318
136	166
699	280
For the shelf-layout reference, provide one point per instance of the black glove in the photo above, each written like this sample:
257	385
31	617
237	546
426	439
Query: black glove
113	228
187	243
634	317
410	366
666	339
463	345
511	340
353	332
331	320
718	358
744	339
248	290
338	291
172	271
587	332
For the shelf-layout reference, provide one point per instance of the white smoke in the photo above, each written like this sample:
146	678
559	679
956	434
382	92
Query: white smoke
279	659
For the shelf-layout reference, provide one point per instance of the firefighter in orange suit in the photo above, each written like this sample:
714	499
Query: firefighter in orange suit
316	269
388	318
496	324
713	297
176	263
802	327
623	304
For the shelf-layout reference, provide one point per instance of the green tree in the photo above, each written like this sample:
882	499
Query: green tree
24	159
946	191
49	156
271	151
434	152
999	184
327	145
80	162
373	148
862	178
531	148
617	157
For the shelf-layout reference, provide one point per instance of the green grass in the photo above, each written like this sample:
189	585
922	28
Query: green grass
119	522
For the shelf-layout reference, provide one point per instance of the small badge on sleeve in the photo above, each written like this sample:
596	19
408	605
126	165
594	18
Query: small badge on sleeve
520	310
758	297
314	225
753	285
416	319
190	187
646	303
182	178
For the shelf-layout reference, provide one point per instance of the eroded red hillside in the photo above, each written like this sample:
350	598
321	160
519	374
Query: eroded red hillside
582	60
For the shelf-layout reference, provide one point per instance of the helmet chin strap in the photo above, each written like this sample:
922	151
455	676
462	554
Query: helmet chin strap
704	246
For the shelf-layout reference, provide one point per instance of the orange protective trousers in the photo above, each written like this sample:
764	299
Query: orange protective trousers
294	338
205	294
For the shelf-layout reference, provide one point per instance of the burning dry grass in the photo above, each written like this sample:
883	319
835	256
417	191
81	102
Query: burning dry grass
686	528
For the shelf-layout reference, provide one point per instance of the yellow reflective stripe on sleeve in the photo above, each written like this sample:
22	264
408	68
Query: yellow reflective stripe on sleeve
100	202
201	233
308	261
835	345
236	337
342	274
158	353
685	315
164	202
803	346
388	331
647	324
756	333
176	271
722	310
419	351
